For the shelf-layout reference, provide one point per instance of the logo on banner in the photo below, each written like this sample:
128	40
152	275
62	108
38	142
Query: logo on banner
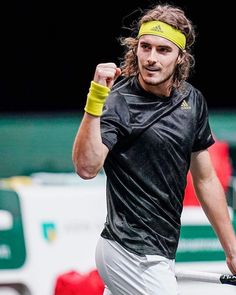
49	231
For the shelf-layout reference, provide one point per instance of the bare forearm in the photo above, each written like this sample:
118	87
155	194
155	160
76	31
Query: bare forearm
88	150
213	201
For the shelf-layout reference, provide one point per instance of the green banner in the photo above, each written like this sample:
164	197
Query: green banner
12	242
199	243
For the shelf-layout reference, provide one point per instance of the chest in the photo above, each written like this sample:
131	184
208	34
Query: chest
175	130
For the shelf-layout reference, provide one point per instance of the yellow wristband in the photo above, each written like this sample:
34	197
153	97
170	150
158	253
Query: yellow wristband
96	98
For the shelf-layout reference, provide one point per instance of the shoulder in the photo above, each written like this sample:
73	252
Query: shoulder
191	90
121	85
116	102
120	90
193	94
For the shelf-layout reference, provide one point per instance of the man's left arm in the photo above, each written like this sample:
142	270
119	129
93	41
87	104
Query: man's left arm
213	201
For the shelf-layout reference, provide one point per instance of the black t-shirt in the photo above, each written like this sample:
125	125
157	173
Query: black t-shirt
150	141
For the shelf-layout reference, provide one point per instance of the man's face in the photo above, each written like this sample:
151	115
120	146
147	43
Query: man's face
157	59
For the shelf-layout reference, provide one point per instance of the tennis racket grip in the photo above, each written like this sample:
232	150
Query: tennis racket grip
228	279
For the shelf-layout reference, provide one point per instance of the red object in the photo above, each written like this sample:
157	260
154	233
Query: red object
73	283
219	153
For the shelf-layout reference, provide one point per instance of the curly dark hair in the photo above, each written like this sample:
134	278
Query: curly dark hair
173	16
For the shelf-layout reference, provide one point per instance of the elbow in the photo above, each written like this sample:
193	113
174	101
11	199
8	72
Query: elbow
87	168
85	172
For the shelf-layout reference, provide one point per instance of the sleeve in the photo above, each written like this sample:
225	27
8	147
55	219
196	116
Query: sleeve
115	120
203	135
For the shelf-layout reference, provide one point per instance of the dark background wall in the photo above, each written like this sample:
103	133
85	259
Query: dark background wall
49	53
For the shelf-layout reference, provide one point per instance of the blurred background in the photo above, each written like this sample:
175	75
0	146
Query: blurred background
49	51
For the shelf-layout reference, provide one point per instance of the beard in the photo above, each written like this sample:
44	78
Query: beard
153	81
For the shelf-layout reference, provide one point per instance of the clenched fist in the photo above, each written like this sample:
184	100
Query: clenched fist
106	74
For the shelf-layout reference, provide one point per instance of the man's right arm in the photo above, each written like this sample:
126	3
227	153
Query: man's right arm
89	153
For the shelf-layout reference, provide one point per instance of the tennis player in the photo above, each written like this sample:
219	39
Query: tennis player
147	129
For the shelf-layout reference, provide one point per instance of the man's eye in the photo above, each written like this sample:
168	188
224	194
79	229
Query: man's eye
164	49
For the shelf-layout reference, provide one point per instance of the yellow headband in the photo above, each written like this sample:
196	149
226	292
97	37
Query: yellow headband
164	30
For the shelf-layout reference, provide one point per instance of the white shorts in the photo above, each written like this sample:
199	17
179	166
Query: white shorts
125	273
